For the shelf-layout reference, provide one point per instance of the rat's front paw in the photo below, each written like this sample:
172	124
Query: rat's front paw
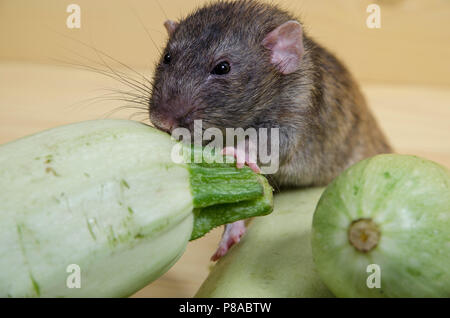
231	235
242	157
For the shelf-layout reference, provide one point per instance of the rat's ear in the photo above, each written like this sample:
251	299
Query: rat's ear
286	45
170	26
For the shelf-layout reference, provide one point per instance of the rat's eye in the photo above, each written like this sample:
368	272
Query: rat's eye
167	58
222	68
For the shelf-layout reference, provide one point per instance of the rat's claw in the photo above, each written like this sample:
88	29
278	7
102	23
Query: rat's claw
221	251
254	167
238	155
232	235
242	158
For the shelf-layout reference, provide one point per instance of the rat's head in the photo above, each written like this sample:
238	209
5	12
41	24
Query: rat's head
223	64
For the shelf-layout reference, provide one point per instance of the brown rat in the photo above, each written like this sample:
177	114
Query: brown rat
250	64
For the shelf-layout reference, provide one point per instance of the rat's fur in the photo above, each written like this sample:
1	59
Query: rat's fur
325	124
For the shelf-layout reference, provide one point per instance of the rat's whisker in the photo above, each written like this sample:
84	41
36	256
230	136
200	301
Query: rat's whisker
134	115
103	54
119	92
143	85
137	103
146	31
119	74
131	83
121	108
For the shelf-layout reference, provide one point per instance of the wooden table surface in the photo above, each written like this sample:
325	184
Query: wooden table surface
34	97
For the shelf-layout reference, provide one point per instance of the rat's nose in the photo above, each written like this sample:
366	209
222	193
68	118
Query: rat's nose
166	124
169	115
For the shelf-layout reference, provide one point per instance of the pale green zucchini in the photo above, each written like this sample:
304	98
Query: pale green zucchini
382	229
107	196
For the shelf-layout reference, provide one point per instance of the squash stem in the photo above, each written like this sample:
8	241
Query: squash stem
364	235
224	194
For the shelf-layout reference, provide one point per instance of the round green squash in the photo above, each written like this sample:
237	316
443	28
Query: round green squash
382	229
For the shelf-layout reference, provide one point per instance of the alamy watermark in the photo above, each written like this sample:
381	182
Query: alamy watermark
374	19
74	278
73	21
374	279
250	146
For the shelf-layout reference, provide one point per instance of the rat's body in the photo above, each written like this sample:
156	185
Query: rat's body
277	77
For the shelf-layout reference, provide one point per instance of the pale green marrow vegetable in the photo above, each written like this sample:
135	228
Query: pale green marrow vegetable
274	258
106	196
382	229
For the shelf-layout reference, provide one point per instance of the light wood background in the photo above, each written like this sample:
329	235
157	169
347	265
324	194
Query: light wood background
403	67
